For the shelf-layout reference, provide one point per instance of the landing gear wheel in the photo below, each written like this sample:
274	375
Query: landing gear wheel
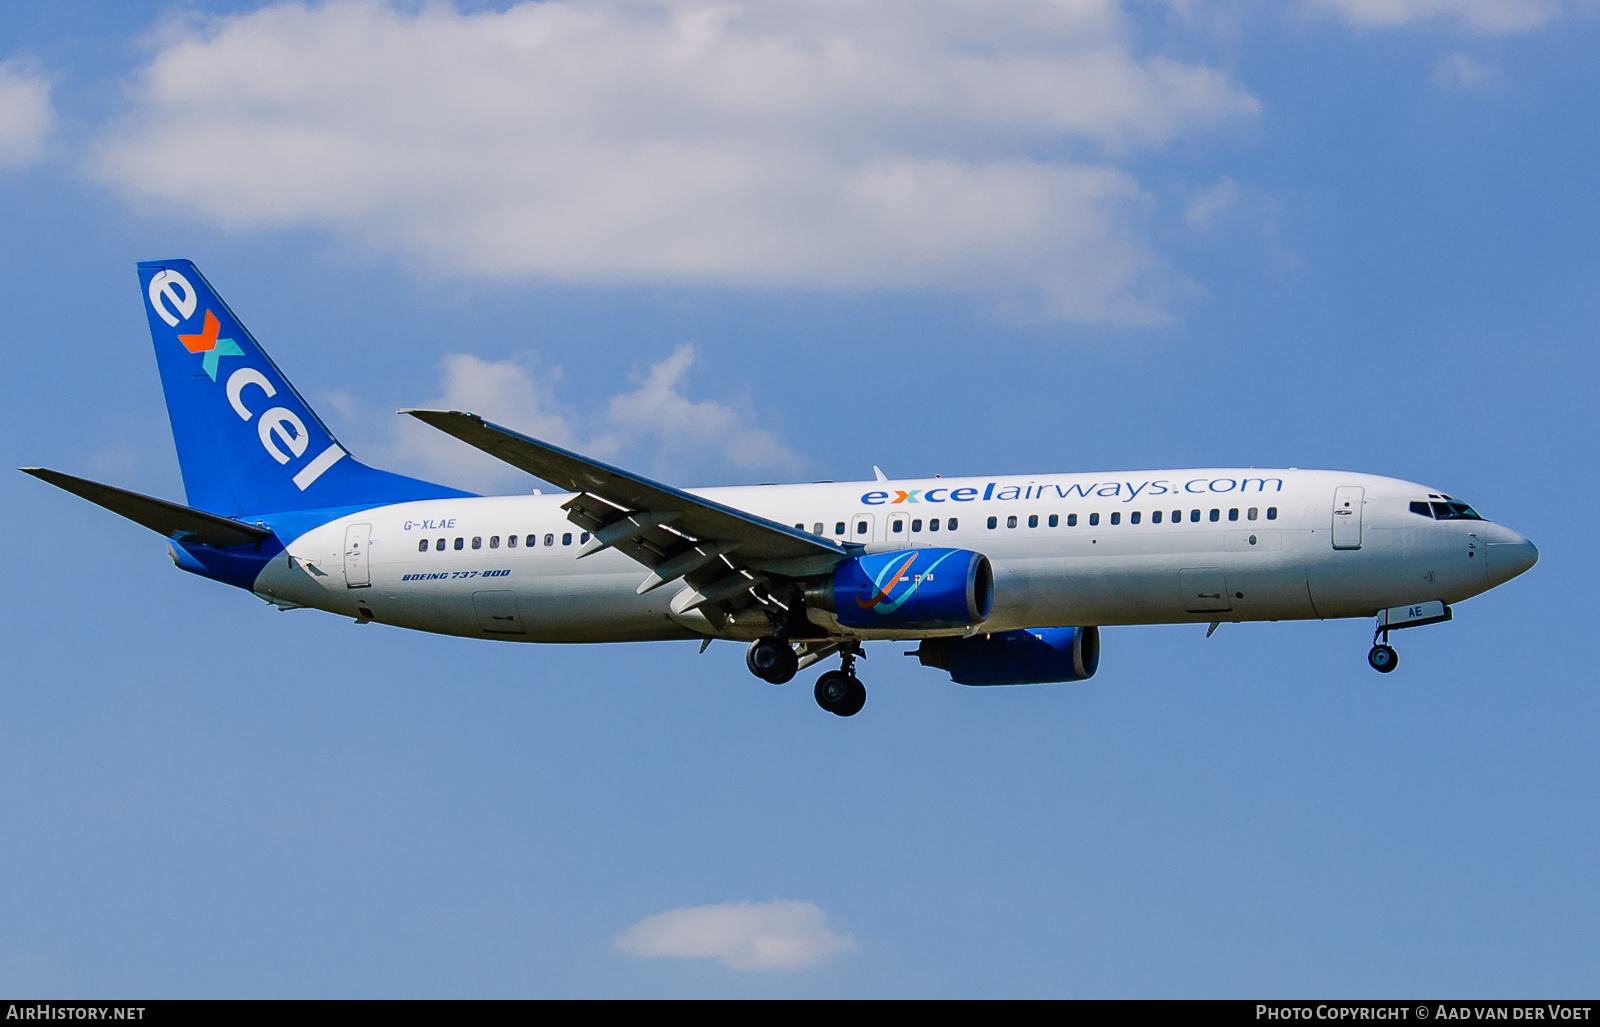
772	660
841	694
1383	659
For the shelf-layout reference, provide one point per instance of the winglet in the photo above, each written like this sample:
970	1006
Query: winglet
877	472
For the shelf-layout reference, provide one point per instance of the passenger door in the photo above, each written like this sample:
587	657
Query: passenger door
357	540
1347	503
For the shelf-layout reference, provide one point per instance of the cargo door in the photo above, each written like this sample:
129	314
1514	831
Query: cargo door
498	613
1205	590
1347	503
357	540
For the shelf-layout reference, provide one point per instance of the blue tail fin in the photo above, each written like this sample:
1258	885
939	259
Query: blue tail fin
248	443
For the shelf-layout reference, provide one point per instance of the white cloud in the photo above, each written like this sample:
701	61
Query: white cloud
1207	202
834	144
1489	16
25	114
1458	71
656	418
657	410
776	935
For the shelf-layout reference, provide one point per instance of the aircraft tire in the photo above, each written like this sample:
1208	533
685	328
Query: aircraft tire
772	660
1383	659
833	692
856	699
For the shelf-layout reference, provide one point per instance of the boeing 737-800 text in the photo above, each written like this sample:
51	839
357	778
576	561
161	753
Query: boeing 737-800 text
999	580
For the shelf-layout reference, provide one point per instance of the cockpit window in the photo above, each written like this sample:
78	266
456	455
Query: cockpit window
1455	512
1449	511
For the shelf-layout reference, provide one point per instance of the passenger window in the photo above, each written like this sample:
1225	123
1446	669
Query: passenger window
951	524
532	540
1194	516
1177	515
861	527
566	538
1055	520
1116	518
916	525
1033	520
439	545
993	521
1094	518
1011	522
1133	518
584	538
799	527
1233	514
477	542
1072	520
898	526
816	529
1272	513
838	528
511	541
550	539
1155	516
422	547
494	541
1250	514
461	543
1216	515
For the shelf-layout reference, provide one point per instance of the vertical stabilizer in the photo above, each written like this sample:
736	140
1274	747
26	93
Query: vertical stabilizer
248	443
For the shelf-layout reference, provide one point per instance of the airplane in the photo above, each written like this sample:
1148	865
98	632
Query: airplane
1000	580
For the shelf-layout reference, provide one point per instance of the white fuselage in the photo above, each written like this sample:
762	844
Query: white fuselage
1125	549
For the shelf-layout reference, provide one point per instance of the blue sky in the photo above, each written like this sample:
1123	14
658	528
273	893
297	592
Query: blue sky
787	242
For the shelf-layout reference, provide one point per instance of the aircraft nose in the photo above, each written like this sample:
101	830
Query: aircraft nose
1509	558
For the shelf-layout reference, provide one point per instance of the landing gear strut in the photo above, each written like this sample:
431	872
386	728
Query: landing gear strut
772	659
840	692
1382	657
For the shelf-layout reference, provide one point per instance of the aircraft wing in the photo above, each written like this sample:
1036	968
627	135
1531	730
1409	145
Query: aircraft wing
173	520
725	555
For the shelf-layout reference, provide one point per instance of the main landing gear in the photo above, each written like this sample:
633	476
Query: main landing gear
840	692
772	659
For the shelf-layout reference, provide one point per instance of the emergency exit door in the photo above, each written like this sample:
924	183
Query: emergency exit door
357	540
1347	503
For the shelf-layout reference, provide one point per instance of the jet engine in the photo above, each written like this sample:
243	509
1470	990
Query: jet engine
1032	656
918	589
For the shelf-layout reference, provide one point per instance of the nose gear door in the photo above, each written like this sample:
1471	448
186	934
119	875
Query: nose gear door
1347	503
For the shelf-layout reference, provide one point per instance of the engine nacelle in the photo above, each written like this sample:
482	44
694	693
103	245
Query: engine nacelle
921	589
1033	656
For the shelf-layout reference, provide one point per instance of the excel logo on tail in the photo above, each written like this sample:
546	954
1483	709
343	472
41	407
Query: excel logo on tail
174	300
283	434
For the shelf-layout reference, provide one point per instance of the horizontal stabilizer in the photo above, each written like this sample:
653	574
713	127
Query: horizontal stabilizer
170	519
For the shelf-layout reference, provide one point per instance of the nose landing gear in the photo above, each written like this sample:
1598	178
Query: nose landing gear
1383	658
840	692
